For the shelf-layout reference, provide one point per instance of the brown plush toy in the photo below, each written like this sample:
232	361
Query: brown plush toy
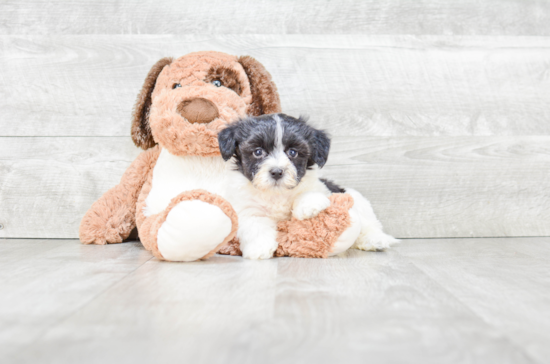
174	191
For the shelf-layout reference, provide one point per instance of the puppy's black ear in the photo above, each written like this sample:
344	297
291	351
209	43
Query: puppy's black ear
320	146
227	141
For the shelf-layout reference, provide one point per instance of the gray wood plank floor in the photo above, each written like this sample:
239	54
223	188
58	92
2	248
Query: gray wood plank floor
429	301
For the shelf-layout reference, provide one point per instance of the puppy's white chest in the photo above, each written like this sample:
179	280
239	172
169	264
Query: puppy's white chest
173	175
277	208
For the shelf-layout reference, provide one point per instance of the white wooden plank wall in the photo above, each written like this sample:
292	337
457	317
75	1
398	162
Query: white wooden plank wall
439	110
449	17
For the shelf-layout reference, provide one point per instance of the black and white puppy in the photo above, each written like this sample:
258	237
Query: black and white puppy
277	159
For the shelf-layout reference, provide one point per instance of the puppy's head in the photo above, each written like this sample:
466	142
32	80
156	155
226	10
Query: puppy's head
184	103
274	151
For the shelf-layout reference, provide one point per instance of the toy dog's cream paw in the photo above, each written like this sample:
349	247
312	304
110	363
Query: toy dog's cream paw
374	241
192	229
259	249
309	205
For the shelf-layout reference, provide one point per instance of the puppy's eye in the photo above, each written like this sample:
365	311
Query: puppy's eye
292	153
176	85
258	152
217	83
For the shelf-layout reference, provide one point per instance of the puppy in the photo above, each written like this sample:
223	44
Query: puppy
277	159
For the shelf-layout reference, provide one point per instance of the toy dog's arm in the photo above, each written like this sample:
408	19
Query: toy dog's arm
316	237
112	217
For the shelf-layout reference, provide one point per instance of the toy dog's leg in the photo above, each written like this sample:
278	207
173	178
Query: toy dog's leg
233	247
349	222
194	226
371	236
333	231
112	217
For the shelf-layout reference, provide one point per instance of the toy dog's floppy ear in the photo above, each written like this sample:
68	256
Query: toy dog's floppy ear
141	131
265	98
227	140
320	146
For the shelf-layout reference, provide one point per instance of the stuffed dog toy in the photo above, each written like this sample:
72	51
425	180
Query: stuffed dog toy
174	191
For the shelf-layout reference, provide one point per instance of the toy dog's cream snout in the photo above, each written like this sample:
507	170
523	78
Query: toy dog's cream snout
198	110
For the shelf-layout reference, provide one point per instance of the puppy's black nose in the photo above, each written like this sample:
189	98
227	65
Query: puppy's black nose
276	173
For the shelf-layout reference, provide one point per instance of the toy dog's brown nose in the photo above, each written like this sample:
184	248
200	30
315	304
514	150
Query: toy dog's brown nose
199	110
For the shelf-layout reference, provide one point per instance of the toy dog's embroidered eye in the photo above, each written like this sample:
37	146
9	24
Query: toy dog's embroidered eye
217	83
292	153
258	152
176	85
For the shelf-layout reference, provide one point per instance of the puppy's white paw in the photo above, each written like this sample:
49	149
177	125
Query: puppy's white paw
261	248
309	205
374	240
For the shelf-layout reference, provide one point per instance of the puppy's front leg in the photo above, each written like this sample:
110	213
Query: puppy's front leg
257	237
309	205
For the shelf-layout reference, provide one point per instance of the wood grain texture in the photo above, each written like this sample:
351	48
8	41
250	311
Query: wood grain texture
503	281
466	17
343	309
43	282
450	186
64	85
47	184
419	186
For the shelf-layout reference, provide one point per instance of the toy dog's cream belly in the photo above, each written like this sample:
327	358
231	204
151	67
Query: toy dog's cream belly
173	175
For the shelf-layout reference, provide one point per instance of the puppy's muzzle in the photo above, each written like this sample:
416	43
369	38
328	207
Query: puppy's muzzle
201	111
276	173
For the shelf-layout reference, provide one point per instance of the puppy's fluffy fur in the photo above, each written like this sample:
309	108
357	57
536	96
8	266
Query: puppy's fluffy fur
277	159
